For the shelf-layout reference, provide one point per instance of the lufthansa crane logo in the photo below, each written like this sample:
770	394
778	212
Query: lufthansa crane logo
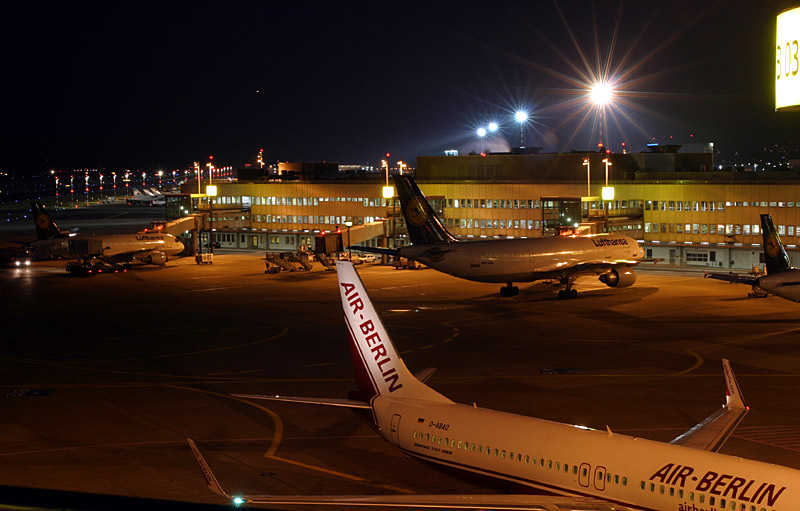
417	212
42	221
772	245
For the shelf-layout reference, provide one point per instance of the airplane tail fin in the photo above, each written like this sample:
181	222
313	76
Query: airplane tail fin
424	227
376	362
774	254
46	228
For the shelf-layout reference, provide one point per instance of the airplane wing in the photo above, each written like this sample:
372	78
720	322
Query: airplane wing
711	433
345	403
374	250
431	501
733	277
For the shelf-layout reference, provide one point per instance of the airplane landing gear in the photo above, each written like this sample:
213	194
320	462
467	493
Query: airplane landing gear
509	290
565	294
568	292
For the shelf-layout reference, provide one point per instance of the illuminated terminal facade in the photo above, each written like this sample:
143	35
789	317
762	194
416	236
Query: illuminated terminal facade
677	204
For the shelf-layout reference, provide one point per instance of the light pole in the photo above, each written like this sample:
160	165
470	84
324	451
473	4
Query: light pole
211	192
481	133
388	194
86	178
114	187
71	190
601	95
349	223
55	177
521	117
101	187
588	177
159	179
608	192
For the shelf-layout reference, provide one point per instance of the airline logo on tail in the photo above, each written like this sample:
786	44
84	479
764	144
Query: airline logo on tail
772	245
383	361
417	212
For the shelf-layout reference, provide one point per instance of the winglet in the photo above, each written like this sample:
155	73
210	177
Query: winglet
211	481
733	394
711	433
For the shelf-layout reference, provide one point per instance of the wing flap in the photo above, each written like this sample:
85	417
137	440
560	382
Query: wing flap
733	277
374	250
344	403
714	430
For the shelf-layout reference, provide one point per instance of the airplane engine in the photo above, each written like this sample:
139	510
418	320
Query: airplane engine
622	277
157	258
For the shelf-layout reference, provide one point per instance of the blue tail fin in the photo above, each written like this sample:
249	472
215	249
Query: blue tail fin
774	254
46	228
424	227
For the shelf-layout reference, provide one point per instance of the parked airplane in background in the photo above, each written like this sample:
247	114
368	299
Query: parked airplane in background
581	468
110	252
564	258
782	279
148	198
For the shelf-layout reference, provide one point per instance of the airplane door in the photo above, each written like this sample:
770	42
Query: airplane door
600	478
584	473
394	428
474	258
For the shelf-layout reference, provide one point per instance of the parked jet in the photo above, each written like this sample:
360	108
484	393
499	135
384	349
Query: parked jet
782	279
564	258
583	468
113	251
148	198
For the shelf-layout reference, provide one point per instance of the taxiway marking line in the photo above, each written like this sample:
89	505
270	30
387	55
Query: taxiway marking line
276	419
699	358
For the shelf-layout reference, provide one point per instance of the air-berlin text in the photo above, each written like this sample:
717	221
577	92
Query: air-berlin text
724	485
372	340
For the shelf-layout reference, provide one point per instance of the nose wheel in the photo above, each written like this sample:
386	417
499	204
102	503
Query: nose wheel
509	290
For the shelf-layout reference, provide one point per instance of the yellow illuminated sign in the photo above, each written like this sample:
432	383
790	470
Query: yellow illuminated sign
607	193
211	190
787	60
388	192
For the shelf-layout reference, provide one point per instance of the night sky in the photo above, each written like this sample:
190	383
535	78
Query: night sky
162	84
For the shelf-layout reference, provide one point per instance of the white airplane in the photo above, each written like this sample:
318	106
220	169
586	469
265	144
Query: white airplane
564	258
148	198
782	279
580	468
96	254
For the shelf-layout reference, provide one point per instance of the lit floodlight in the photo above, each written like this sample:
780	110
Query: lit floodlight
601	93
493	127
388	192
607	193
211	190
521	116
481	132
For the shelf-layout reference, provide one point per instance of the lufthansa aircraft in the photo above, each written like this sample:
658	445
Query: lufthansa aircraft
580	468
782	279
110	251
564	258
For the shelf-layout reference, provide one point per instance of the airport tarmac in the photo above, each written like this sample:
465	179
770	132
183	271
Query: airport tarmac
104	377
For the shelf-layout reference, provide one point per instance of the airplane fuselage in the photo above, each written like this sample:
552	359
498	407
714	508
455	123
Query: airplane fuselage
785	284
524	260
570	460
115	246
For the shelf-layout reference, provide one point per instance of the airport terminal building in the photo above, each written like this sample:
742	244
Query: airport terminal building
677	204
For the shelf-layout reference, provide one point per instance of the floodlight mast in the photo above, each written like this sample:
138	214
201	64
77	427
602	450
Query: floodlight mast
521	117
